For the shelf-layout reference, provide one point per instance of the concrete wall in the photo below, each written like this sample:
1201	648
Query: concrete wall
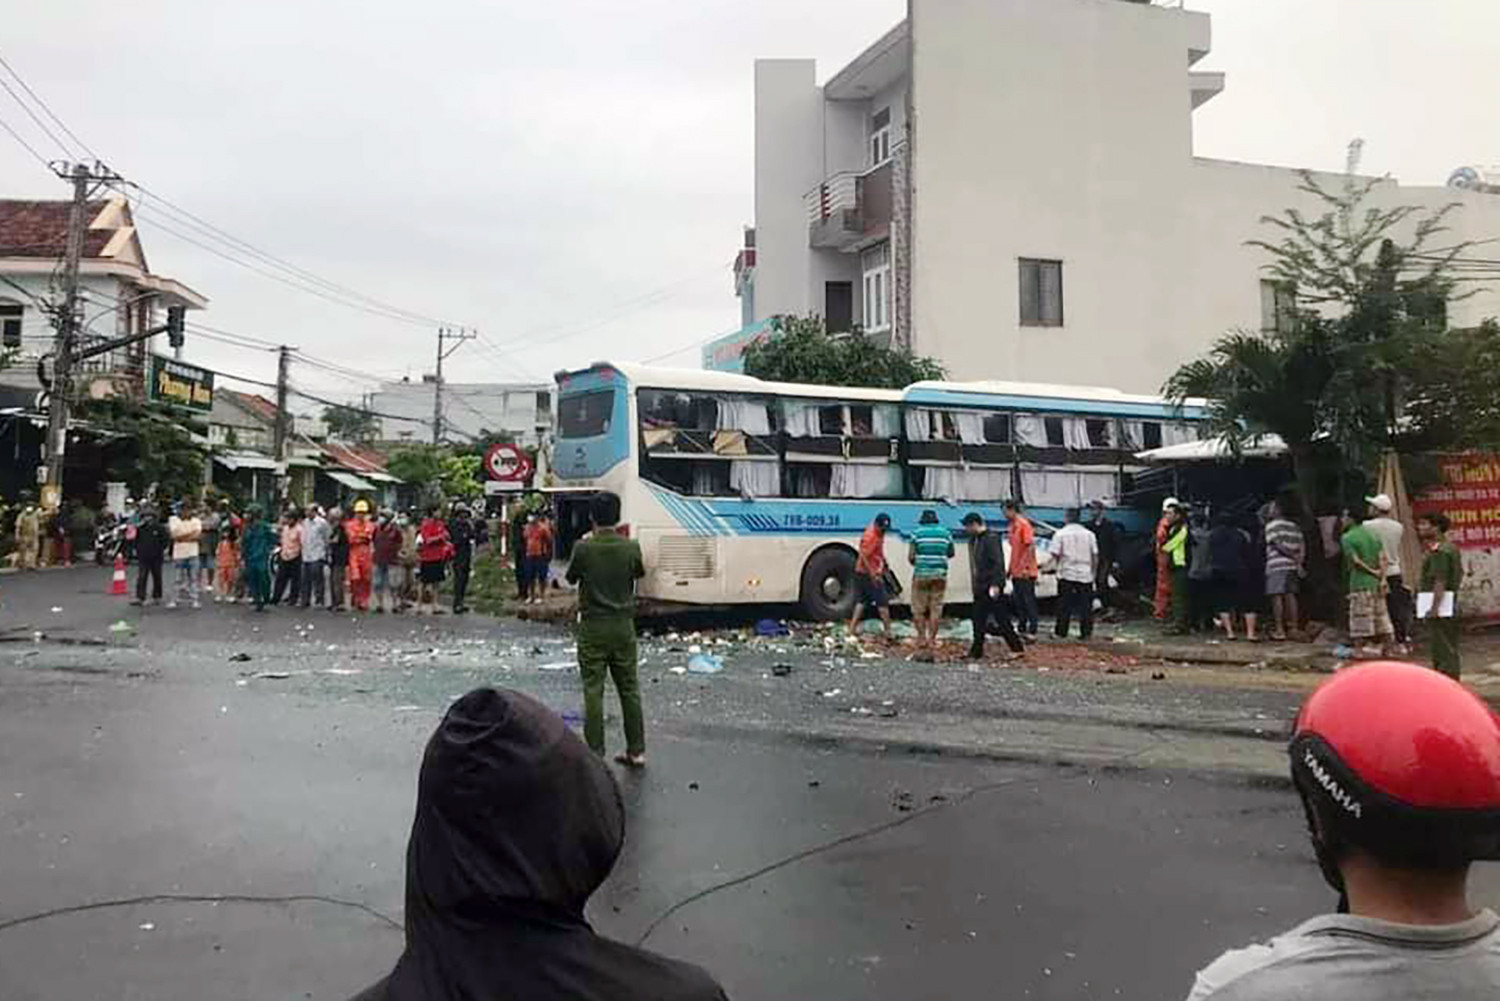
789	157
1062	129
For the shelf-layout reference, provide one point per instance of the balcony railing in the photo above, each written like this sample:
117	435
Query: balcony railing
851	209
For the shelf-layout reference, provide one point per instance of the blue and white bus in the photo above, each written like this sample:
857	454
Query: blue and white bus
744	491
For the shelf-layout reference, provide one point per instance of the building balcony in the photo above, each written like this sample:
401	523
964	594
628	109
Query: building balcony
850	210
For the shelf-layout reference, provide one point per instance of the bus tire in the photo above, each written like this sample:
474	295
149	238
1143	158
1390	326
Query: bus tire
828	584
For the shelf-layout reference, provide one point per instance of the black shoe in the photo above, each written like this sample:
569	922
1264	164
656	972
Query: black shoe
976	653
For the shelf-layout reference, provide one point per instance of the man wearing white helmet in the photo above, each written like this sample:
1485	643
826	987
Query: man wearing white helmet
1390	532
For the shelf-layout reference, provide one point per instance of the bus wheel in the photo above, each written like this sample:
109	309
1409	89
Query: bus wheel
828	584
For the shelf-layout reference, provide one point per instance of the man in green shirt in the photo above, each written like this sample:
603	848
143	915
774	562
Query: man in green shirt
929	552
1364	579
605	567
1442	575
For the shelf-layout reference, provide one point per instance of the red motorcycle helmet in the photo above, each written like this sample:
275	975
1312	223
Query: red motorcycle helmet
1401	762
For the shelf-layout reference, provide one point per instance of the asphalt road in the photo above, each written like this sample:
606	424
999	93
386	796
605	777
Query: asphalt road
792	860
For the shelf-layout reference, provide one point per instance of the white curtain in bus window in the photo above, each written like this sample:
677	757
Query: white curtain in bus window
1075	432
1177	433
808	483
918	425
1031	430
799	419
885	421
703	479
855	480
970	426
1098	485
965	484
755	479
749	416
1050	487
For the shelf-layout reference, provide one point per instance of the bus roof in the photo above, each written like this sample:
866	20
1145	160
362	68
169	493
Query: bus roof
704	381
1046	396
998	395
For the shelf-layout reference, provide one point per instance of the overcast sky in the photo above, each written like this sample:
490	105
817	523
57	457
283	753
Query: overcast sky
571	176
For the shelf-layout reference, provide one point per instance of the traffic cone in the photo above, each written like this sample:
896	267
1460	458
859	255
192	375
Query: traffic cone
117	584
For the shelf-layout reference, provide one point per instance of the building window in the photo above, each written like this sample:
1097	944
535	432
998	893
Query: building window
1041	293
880	137
10	324
1277	301
876	264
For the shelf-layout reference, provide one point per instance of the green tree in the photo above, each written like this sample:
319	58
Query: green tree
150	447
350	423
1359	356
439	472
802	350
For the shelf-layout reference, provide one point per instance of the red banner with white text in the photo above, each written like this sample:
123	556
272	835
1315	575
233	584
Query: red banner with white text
1470	496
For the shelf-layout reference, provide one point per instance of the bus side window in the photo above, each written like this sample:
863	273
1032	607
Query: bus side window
831	420
1055	438
1150	434
997	429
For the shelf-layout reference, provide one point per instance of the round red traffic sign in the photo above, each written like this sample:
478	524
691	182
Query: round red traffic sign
507	463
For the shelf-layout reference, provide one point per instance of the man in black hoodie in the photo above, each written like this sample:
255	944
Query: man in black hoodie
987	576
517	824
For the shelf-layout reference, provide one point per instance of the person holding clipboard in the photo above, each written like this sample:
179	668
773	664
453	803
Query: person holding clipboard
1442	573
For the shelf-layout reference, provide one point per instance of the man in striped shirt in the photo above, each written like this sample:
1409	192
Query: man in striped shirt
1286	553
930	550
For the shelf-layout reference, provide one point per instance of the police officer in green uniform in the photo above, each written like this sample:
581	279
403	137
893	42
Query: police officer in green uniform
605	567
1442	574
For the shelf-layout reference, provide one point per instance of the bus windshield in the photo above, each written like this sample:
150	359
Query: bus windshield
585	415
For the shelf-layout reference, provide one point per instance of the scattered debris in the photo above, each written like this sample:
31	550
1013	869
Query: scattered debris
704	663
343	671
771	627
832	692
678	670
119	627
1158	675
56	609
240	658
556	665
781	670
903	801
271	675
693	786
147	926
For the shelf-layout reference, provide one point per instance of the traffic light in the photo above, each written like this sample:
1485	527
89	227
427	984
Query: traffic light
176	317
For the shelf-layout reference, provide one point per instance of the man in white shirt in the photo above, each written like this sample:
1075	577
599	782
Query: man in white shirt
185	530
316	533
1398	767
1398	600
1075	550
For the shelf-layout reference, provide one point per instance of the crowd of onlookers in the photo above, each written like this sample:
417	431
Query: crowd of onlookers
361	559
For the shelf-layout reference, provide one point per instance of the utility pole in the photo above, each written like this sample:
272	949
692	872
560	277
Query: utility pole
62	366
457	337
281	431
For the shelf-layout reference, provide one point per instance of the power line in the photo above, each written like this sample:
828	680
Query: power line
183	217
43	105
33	116
290	283
26	145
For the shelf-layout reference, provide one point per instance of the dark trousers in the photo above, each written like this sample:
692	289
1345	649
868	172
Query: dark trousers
1075	598
991	616
1023	590
1201	611
152	568
336	585
460	583
288	578
1398	603
1182	603
312	583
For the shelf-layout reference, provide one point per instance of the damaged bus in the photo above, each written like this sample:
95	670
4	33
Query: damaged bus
744	491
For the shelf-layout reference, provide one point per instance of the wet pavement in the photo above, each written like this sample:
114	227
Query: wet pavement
798	843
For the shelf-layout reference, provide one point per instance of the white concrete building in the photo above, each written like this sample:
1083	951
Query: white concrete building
118	292
1010	186
469	408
